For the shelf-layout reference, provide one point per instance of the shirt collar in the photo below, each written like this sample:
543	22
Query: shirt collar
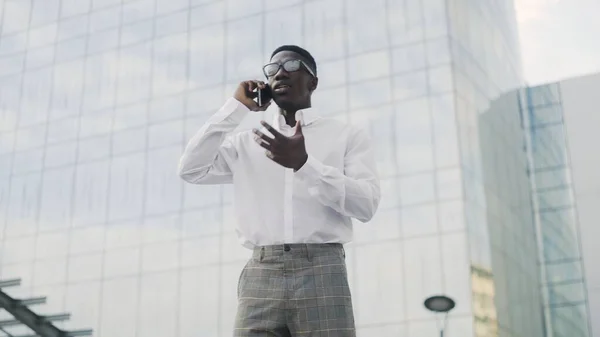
305	116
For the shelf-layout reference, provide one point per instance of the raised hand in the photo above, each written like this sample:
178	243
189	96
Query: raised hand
286	151
245	94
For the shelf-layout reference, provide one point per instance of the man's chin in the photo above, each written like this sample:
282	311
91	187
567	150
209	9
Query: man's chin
284	102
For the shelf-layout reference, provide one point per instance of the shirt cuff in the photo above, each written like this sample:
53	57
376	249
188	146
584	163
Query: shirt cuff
234	110
310	172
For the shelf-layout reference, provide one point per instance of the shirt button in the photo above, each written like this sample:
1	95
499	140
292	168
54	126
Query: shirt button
286	248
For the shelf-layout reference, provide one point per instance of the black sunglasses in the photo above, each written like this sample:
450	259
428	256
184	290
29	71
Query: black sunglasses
290	66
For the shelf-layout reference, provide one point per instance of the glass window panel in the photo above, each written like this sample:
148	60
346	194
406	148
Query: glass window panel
85	268
160	257
370	93
324	29
127	187
123	234
87	240
13	43
41	57
232	249
16	16
201	251
119	307
31	138
457	273
162	228
137	32
207	14
434	14
167	108
139	10
94	149
42	36
5	168
551	179
166	134
207	68
449	184
103	41
105	3
440	80
408	58
74	7
95	123
410	85
9	104
413	136
101	78
445	130
86	312
422	262
202	223
167	6
163	192
405	19
44	11
244	54
121	262
23	206
331	101
169	65
35	99
129	141
438	51
419	220
200	285
12	64
199	196
105	19
369	66
418	188
17	250
131	116
91	187
372	33
134	74
547	114
283	27
385	225
158	306
228	287
380	297
73	27
242	9
332	74
67	89
452	217
29	161
48	272
55	208
171	24
205	102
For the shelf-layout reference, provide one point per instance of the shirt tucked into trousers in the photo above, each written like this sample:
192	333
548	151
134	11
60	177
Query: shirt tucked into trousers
295	290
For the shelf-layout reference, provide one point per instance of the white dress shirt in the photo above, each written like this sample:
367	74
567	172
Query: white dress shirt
276	205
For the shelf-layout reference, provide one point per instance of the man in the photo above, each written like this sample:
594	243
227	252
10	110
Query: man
297	184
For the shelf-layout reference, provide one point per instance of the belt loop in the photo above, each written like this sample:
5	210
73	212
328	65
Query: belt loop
309	252
262	254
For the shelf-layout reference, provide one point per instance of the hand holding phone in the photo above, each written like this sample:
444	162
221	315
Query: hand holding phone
247	91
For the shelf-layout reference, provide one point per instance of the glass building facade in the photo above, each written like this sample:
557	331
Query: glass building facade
563	287
97	100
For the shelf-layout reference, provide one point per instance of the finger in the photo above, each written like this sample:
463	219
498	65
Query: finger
261	84
262	137
272	130
264	106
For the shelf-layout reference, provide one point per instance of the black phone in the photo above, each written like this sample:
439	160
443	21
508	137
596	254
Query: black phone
263	95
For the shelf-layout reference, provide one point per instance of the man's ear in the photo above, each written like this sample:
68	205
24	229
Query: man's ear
313	84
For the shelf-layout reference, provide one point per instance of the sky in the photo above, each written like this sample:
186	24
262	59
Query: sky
559	38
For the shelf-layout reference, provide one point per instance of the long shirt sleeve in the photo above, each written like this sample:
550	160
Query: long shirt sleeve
353	192
209	155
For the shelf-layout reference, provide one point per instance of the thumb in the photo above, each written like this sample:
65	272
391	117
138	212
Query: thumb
298	128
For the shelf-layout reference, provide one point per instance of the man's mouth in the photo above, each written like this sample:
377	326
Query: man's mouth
281	89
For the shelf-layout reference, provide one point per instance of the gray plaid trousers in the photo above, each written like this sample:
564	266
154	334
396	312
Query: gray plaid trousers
295	290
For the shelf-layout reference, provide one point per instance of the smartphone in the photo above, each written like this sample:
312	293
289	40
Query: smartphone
263	95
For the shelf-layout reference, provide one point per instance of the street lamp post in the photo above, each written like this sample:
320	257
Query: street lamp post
440	304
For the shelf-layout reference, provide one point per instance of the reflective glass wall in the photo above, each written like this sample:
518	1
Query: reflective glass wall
563	286
98	97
